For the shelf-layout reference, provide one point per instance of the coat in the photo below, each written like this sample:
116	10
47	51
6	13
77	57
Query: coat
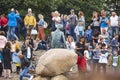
30	20
12	19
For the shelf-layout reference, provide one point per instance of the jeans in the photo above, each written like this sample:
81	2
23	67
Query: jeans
114	68
41	33
11	33
103	65
24	31
17	31
72	33
114	30
24	73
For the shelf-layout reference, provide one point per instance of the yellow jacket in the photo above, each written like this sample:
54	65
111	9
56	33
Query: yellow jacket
30	20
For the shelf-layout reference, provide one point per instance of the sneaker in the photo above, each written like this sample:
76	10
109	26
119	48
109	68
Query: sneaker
31	78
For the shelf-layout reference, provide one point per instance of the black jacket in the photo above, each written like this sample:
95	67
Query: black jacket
24	62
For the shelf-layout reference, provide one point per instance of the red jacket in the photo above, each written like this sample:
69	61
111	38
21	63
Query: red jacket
3	21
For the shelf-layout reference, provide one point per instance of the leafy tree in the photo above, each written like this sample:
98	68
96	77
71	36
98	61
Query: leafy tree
45	7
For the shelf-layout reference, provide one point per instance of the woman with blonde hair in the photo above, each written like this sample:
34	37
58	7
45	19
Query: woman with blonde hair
41	28
70	43
81	18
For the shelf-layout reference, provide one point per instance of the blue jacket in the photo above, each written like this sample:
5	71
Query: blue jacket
1	57
114	42
12	19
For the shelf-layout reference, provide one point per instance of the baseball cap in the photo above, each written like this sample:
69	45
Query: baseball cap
12	9
29	9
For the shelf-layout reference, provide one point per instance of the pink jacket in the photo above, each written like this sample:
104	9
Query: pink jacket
3	41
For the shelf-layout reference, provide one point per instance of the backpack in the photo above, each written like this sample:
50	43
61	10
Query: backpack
45	24
88	35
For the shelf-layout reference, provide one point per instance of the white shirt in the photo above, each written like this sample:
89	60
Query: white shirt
28	53
86	53
78	29
13	48
114	20
103	58
71	46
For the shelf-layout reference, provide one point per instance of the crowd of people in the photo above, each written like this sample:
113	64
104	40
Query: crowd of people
97	45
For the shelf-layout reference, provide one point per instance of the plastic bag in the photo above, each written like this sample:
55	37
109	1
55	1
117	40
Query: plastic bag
34	32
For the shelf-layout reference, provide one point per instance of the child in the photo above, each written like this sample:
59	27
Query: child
7	60
103	58
96	56
79	30
114	43
88	34
15	47
70	43
105	36
115	61
88	56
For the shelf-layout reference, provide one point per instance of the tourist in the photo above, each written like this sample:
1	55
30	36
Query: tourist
70	43
114	24
12	24
114	43
25	63
103	59
19	22
72	19
81	18
95	22
88	34
7	60
104	22
4	24
115	61
81	62
29	21
41	33
79	30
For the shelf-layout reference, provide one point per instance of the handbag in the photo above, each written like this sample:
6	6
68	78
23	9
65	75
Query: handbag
34	32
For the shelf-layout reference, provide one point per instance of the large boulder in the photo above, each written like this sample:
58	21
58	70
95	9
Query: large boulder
59	77
55	62
41	78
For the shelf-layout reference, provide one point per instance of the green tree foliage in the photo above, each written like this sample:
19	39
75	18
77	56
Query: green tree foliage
45	7
113	5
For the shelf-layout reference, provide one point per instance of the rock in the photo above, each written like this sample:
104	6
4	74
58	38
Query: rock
41	78
59	77
55	62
